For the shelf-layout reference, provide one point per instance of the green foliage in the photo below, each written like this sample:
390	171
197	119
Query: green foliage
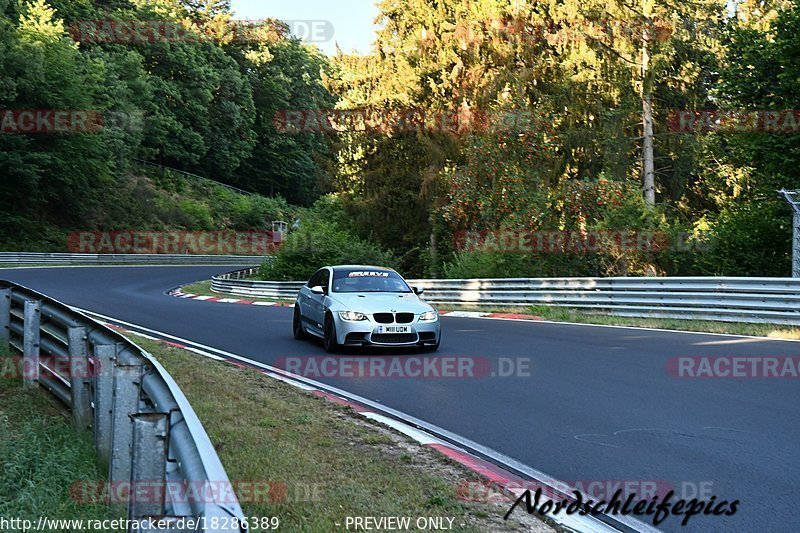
258	212
200	104
145	203
572	77
321	241
198	212
750	225
43	459
284	75
750	239
490	264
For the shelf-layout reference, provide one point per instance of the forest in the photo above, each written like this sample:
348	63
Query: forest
671	119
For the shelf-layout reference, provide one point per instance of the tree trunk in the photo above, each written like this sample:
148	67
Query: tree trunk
648	163
649	185
434	261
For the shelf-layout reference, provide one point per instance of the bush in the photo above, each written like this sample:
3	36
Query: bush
750	239
257	212
492	264
318	243
198	213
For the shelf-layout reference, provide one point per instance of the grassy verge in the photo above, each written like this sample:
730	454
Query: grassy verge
41	457
704	326
332	462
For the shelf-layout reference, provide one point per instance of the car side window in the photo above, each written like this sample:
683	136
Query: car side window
315	279
324	279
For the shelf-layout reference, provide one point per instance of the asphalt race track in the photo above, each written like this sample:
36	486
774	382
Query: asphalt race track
599	403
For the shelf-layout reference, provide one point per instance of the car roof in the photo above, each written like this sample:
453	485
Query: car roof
351	267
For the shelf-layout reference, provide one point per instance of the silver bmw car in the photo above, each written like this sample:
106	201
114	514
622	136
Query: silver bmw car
355	305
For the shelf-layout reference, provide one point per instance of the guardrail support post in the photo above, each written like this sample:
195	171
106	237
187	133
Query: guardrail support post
148	464
127	383
105	356
793	197
31	339
796	245
5	321
79	378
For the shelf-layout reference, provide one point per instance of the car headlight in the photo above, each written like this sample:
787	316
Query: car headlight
430	316
352	316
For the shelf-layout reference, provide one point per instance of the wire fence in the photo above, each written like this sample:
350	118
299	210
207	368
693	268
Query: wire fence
194	177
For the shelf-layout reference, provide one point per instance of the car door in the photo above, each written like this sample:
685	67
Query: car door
306	300
316	302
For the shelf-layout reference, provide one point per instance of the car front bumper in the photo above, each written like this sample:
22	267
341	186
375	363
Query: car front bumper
366	333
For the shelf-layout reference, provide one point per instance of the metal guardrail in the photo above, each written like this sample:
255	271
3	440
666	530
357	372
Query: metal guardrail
144	428
22	258
754	300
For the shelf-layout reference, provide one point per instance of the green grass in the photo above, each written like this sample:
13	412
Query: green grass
333	462
705	326
562	314
41	457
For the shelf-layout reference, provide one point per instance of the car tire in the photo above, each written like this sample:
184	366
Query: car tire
329	338
297	326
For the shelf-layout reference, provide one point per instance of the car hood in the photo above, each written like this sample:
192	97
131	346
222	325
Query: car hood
372	302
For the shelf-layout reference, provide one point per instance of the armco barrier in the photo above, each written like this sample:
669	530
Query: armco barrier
144	428
756	300
29	258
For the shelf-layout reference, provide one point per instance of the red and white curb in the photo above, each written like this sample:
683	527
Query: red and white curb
178	293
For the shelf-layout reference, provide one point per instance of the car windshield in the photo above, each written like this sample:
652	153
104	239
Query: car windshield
361	280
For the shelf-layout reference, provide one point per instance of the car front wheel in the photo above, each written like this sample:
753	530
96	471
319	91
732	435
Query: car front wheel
297	325
329	338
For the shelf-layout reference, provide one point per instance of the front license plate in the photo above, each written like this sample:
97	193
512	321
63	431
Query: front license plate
394	329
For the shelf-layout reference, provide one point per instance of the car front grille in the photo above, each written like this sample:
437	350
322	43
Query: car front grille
394	338
389	318
404	318
384	318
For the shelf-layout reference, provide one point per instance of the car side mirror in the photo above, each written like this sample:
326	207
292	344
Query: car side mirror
417	290
317	289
